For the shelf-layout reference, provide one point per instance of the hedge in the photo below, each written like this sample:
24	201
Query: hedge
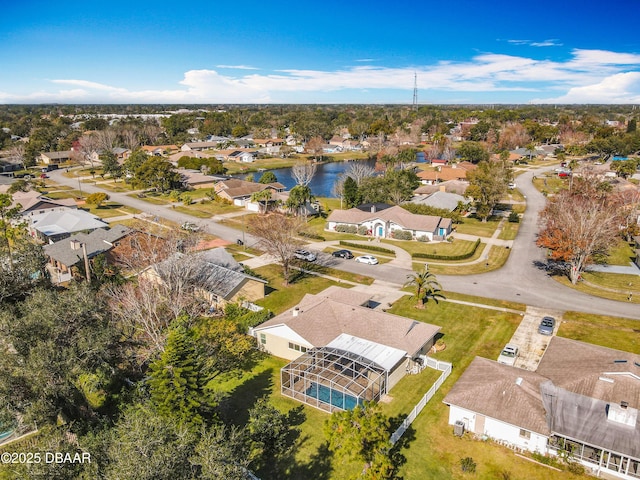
433	256
366	246
312	236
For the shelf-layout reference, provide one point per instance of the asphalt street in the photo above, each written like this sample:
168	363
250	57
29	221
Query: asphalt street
523	278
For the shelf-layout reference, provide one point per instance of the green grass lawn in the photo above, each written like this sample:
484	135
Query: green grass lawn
597	283
457	247
57	195
621	254
475	226
109	209
509	231
280	297
550	183
207	209
118	187
612	332
340	274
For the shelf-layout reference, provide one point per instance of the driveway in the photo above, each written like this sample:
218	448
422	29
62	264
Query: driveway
532	344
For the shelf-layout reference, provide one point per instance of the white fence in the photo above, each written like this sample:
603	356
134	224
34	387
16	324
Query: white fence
445	368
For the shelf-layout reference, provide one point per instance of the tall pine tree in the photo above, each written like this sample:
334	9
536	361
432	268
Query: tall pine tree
176	380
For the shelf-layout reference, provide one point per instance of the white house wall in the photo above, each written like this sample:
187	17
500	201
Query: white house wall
497	430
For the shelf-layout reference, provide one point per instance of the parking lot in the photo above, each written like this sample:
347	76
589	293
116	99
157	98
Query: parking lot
532	344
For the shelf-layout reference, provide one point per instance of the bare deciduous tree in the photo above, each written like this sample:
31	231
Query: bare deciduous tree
107	139
303	173
579	226
18	153
359	171
277	236
130	137
89	146
314	146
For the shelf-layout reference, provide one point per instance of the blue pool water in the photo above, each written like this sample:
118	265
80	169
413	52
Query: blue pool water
332	397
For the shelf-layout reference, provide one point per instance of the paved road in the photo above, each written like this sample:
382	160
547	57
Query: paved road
521	279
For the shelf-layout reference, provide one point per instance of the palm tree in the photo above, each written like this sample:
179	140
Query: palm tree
425	286
262	196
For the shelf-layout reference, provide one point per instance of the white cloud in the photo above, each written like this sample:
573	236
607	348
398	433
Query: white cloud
552	42
618	88
589	76
238	67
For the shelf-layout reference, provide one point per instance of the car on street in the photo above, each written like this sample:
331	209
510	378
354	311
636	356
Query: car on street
368	259
512	185
547	325
343	254
190	227
304	255
509	354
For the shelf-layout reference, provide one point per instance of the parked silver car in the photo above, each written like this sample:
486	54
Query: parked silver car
547	325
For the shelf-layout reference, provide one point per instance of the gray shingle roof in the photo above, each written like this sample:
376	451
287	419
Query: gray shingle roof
395	214
96	242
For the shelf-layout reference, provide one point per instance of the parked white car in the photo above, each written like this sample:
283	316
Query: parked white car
368	259
509	354
304	255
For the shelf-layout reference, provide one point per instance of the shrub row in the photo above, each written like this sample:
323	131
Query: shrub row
365	246
312	236
463	256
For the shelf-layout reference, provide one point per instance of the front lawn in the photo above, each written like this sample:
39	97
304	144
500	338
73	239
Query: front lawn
615	286
611	332
109	209
279	297
207	209
621	254
456	247
475	226
496	259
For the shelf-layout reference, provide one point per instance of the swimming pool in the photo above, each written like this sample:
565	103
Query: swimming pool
332	397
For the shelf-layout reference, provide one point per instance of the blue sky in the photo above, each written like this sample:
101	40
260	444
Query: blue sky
465	51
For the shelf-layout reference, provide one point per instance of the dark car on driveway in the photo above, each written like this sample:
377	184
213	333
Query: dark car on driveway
343	254
547	326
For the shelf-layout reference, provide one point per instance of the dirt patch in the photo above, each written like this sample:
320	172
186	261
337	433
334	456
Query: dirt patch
218	242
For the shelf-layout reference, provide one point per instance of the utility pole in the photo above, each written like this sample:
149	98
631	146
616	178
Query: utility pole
415	91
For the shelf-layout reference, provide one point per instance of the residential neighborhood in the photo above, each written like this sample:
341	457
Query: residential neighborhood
242	294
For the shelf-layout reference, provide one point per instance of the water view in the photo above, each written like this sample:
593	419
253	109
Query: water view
323	180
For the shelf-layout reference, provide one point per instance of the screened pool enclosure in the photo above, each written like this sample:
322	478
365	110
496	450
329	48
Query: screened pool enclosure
333	379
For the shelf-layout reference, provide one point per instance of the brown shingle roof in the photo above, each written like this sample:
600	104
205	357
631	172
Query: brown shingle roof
325	316
489	388
445	173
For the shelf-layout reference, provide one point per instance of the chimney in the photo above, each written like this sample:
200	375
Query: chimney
373	209
296	311
443	188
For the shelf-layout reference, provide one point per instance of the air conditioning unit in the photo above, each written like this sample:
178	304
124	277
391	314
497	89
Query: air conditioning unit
458	428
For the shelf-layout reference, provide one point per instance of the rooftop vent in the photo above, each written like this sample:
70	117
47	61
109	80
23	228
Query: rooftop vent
519	381
619	361
296	311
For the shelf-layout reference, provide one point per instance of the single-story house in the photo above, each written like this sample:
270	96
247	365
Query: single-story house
34	203
582	399
444	173
343	352
239	191
53	158
214	274
58	224
236	155
388	221
198	146
451	186
63	254
159	150
441	199
196	179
